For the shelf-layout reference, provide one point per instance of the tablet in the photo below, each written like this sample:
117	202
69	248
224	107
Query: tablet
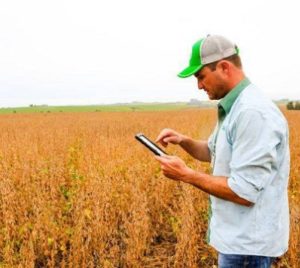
149	144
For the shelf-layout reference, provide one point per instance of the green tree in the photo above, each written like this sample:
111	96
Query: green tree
297	105
290	105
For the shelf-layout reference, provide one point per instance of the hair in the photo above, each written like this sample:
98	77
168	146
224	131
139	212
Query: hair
235	59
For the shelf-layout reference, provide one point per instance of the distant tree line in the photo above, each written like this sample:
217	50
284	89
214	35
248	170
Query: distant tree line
293	105
41	105
195	102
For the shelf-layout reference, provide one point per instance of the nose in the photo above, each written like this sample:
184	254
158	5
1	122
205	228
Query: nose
200	85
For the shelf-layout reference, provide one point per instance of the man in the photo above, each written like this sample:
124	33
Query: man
249	154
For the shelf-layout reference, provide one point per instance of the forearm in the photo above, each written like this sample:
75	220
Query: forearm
215	185
197	149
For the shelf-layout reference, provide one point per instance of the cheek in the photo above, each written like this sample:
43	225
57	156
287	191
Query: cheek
218	82
221	90
210	83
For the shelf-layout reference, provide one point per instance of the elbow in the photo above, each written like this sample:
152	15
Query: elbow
248	204
245	202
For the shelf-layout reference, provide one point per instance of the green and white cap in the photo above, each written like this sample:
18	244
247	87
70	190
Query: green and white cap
207	50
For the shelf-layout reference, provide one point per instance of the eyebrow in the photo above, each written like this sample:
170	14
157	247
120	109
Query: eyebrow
199	75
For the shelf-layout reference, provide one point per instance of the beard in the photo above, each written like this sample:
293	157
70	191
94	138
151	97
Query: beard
219	91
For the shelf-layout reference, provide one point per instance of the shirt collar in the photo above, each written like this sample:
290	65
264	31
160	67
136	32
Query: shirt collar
227	102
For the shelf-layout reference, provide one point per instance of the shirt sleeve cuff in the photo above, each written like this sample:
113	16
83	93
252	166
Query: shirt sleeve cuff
243	189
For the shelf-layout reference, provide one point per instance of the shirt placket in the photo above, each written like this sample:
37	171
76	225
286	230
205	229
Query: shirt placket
221	117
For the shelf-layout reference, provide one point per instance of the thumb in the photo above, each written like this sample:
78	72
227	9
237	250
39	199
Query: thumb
158	158
162	158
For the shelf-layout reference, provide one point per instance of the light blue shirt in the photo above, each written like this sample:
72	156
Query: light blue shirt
251	148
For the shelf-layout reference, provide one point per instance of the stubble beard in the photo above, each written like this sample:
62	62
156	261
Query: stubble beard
219	92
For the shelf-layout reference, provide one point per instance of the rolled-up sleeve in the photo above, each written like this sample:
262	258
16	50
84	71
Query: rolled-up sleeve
254	151
210	143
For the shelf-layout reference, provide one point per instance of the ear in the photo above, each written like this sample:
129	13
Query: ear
224	67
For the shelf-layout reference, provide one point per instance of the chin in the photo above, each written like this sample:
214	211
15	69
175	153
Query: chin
213	97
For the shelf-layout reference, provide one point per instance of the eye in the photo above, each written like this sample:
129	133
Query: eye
200	77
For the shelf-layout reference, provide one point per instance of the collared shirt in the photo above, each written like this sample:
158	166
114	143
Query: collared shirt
226	103
250	147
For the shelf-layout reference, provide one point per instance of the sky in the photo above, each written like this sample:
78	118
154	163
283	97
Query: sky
62	52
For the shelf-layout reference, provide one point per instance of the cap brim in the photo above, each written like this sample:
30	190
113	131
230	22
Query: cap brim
187	72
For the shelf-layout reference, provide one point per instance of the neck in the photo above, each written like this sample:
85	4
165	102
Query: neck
236	79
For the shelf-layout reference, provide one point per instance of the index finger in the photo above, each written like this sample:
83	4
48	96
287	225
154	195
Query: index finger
159	137
163	134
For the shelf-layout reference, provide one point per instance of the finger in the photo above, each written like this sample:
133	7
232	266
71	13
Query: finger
166	140
167	157
164	133
159	158
160	136
163	159
161	141
174	139
164	144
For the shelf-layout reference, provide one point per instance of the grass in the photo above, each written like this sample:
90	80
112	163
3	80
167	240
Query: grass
98	108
